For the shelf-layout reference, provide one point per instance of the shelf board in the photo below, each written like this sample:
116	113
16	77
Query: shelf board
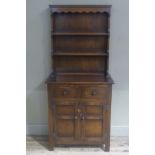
80	78
80	34
80	73
79	54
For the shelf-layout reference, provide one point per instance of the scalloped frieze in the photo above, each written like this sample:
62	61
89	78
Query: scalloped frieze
80	9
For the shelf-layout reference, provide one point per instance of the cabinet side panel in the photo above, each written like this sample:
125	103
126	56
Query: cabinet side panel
50	119
108	119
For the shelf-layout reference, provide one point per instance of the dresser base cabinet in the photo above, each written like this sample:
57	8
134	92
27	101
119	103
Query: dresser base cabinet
79	114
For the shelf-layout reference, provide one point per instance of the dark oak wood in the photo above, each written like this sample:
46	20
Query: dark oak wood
80	8
79	54
80	34
80	43
79	87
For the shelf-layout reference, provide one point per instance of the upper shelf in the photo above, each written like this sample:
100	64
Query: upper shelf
80	33
79	54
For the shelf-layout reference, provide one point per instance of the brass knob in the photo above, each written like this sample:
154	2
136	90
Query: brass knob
76	117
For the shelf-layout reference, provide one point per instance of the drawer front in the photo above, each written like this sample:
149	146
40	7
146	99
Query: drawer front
65	92
94	92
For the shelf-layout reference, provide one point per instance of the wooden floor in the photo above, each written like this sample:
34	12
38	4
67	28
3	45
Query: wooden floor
38	145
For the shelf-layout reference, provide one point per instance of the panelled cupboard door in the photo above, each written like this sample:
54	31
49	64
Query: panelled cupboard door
93	121
79	120
66	121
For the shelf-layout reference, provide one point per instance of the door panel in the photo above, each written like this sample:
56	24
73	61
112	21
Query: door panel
66	120
65	127
93	128
93	110
93	120
65	110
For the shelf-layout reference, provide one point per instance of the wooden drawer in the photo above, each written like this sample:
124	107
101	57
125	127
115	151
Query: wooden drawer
65	92
94	92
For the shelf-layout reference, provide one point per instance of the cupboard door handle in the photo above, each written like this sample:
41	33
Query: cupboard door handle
65	92
81	116
94	93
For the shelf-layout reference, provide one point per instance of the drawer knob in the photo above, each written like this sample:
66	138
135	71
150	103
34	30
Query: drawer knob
94	93
76	117
65	92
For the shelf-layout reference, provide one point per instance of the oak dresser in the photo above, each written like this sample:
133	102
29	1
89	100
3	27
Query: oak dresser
79	86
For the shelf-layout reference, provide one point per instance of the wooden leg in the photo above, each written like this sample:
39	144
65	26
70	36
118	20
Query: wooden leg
107	144
51	148
105	147
50	128
102	147
51	143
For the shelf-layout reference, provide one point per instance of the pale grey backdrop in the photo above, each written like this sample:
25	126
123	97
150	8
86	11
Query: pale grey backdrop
38	62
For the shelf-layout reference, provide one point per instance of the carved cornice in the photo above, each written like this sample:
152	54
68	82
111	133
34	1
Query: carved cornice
80	8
